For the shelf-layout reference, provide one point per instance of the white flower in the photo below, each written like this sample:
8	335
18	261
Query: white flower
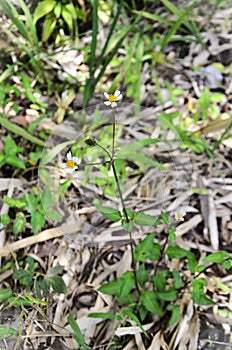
71	164
112	99
179	216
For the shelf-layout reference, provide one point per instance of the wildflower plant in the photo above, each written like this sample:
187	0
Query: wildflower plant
151	289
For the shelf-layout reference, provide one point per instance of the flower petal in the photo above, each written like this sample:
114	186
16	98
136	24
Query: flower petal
76	160
70	170
69	155
119	97
63	165
117	93
113	104
107	103
106	95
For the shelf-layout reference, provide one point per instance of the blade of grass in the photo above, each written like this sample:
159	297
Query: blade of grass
51	154
20	131
192	27
77	333
94	38
112	27
12	13
154	17
31	25
176	25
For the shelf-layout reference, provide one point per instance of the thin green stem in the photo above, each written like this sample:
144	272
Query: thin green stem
113	136
117	182
124	213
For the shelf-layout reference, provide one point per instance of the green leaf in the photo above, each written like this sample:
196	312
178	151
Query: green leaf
120	287
45	177
177	283
43	8
111	288
133	317
77	333
169	295
5	219
46	198
165	218
147	249
44	285
105	315
175	252
150	302
19	274
198	294
128	226
57	10
56	150
58	284
5	294
217	257
146	220
172	235
160	280
48	27
10	146
19	224
227	264
34	157
15	161
14	203
142	275
128	283
31	203
175	314
110	213
56	270
20	131
53	215
67	16
4	332
37	221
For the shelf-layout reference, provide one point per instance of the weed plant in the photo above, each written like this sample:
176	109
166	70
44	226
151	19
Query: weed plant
139	295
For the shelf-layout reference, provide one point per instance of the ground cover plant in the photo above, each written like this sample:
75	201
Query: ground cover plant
115	178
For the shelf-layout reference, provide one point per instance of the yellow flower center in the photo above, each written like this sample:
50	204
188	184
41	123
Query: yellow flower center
180	216
112	98
70	164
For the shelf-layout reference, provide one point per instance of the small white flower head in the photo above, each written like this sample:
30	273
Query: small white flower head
179	215
71	164
112	99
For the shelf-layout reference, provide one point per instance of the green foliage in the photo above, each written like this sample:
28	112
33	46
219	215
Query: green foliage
120	287
146	220
59	15
11	156
198	294
147	249
77	333
20	131
5	294
5	332
37	205
30	278
26	36
109	213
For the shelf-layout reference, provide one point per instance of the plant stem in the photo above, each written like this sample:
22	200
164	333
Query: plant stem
125	215
113	136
